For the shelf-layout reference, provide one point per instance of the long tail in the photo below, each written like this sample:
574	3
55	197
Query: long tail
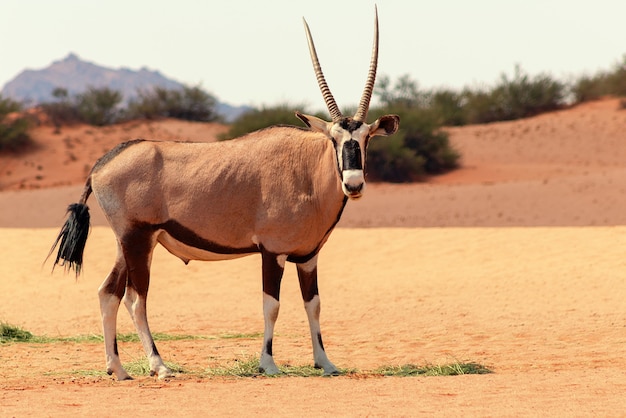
73	236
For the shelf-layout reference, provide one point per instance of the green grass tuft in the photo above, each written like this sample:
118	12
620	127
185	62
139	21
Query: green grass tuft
249	367
12	333
452	369
242	367
246	367
141	367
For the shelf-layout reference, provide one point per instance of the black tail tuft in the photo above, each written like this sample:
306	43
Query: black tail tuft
72	238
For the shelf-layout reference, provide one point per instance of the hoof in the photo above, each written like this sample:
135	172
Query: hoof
270	371
120	376
329	370
164	373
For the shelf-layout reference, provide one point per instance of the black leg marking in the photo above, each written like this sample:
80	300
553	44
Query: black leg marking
319	340
308	283
272	274
154	349
115	347
268	347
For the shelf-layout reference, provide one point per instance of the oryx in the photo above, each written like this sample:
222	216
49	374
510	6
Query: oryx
279	192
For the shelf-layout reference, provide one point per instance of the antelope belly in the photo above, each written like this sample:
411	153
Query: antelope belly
187	252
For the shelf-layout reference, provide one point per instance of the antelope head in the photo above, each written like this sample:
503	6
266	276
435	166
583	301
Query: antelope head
350	135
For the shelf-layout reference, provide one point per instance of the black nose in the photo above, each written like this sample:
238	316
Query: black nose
354	189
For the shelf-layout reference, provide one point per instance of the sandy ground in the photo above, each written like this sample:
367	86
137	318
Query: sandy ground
516	262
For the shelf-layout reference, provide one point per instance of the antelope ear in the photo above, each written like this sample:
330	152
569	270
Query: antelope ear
385	125
316	124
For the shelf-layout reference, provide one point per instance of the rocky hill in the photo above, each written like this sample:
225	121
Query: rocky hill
36	86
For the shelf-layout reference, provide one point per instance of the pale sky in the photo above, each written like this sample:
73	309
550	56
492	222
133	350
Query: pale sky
255	52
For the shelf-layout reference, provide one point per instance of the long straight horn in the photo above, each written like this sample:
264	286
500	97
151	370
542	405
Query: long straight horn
364	104
335	113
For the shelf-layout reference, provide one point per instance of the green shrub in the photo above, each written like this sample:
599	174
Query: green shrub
388	159
448	105
255	119
481	107
191	103
14	132
61	111
516	98
603	83
419	147
587	88
11	333
616	79
99	107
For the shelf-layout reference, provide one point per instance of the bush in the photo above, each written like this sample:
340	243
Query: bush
104	106
604	83
516	98
255	119
14	132
448	106
616	80
62	111
588	88
99	107
418	148
388	159
191	103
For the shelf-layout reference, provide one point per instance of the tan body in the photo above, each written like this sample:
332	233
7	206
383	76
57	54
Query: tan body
235	194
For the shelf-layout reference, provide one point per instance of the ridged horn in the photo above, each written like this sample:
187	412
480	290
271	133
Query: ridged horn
335	113
364	104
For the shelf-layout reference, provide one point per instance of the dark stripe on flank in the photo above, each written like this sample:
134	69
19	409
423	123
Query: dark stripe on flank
188	237
191	239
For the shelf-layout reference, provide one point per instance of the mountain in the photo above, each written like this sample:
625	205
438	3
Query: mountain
35	86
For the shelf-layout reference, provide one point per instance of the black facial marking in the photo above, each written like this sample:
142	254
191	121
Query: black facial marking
350	124
351	155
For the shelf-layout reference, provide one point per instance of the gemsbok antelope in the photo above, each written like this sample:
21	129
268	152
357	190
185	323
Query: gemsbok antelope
278	191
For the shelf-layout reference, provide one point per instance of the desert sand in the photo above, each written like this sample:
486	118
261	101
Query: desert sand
515	261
